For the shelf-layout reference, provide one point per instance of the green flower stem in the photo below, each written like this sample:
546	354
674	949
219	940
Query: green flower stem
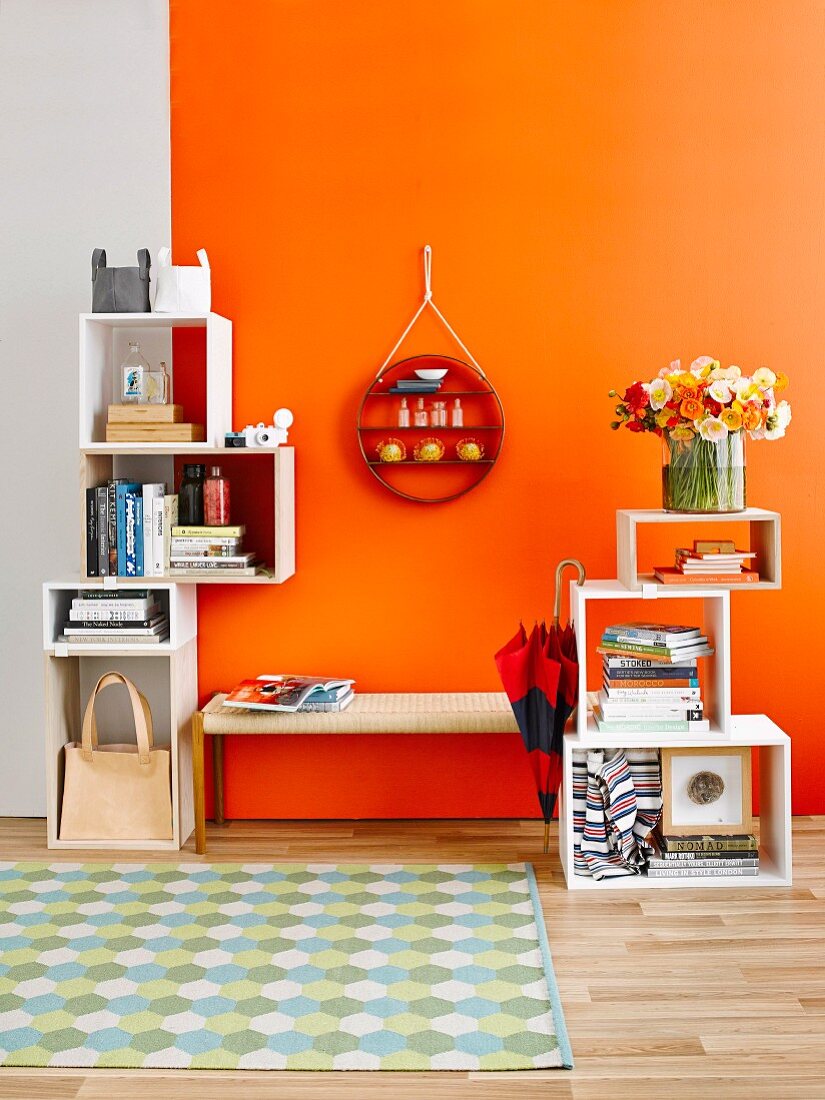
701	476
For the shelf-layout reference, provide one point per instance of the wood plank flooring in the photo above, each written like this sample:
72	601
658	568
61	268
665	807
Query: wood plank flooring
668	994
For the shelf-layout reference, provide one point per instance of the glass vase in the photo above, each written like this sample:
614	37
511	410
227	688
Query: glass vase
700	475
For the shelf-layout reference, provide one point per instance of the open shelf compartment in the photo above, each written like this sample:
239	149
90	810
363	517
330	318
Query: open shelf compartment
104	342
764	537
169	682
715	674
769	744
266	507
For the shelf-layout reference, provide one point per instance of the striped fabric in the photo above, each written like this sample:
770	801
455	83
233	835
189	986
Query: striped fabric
617	799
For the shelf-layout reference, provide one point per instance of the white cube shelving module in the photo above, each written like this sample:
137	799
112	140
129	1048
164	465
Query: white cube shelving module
155	462
716	687
166	673
773	749
104	342
765	540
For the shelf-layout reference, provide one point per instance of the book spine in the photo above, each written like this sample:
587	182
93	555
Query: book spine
663	656
208	564
112	595
707	578
130	537
702	872
633	639
641	725
641	664
206	543
148	557
636	647
157	536
111	489
691	857
110	624
642	634
92	556
708	843
121	532
101	494
646	686
117	639
653	693
91	614
669	672
170	519
711	861
139	535
207	532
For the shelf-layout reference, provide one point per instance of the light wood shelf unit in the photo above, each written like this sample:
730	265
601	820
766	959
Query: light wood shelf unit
156	463
765	539
169	682
773	749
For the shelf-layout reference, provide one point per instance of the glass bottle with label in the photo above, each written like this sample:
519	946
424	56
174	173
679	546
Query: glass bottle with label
420	414
130	377
457	414
403	414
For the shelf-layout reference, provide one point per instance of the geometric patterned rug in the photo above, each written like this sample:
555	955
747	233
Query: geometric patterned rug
276	966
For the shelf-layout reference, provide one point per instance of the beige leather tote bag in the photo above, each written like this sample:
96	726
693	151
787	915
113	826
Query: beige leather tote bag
117	792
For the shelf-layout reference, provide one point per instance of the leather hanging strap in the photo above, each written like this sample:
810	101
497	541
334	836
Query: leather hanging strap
140	711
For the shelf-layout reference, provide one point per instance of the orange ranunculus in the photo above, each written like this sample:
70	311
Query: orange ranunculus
690	393
691	409
781	382
751	417
731	419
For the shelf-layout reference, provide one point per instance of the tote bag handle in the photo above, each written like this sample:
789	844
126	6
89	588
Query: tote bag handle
140	711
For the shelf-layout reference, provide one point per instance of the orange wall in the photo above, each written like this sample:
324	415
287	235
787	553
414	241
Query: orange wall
606	187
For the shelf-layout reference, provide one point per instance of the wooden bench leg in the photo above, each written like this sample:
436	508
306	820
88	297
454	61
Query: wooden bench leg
217	777
198	782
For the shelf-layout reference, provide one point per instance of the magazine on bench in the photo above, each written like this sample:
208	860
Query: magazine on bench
290	693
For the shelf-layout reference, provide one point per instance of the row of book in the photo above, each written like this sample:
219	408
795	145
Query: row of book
709	562
711	856
132	530
126	617
650	679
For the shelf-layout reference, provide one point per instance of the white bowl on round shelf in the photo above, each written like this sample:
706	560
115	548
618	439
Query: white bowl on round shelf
431	374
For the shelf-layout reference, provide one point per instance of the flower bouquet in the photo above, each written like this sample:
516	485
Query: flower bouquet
702	416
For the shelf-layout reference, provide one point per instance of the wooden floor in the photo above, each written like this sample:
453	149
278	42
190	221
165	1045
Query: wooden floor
667	994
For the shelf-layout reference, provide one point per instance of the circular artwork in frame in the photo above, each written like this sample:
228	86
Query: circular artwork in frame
441	460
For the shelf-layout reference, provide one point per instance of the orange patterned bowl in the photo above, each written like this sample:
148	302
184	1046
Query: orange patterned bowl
391	450
428	450
469	450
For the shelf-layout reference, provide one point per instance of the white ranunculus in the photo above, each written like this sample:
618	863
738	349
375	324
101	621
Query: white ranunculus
702	362
712	429
660	392
778	421
729	374
764	377
720	391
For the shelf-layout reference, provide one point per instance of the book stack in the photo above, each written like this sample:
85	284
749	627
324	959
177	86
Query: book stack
128	527
123	618
709	562
417	385
704	856
291	693
650	679
200	551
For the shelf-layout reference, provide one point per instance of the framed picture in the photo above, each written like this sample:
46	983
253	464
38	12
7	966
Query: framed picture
706	791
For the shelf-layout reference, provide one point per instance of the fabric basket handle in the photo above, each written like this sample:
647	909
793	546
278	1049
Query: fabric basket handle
98	260
140	711
144	262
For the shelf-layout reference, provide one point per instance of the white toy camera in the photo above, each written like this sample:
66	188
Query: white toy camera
269	435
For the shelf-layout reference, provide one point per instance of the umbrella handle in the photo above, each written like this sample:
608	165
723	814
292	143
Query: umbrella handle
563	564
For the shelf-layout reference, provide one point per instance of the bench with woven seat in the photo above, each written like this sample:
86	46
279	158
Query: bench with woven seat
401	713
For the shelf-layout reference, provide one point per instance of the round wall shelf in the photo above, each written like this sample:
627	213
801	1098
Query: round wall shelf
433	482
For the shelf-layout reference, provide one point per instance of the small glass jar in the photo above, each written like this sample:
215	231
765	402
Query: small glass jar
130	377
403	414
216	499
438	414
158	386
420	414
457	414
190	497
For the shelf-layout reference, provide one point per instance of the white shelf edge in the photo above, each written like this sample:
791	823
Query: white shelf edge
667	589
168	448
659	515
768	876
613	589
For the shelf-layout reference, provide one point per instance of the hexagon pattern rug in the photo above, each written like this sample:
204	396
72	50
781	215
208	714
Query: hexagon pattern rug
261	966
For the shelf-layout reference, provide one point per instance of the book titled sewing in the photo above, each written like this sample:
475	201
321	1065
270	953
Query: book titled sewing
286	692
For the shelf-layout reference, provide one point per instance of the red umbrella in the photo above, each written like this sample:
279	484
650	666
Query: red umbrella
540	677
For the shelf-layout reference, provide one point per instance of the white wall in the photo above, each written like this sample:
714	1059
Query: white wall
84	144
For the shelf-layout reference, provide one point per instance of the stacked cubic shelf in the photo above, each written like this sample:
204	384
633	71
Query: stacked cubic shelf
166	673
757	731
